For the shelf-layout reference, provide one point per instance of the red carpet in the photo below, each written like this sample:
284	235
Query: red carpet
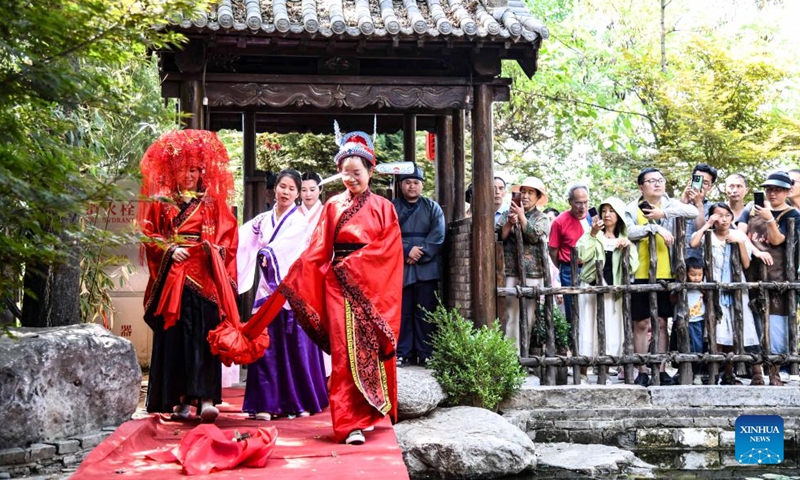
304	449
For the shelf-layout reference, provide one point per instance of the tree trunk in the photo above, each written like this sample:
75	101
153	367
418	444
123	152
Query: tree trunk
664	4
52	294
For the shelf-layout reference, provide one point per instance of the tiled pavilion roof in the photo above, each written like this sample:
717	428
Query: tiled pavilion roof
379	20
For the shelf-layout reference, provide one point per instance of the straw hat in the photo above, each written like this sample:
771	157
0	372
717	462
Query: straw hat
536	184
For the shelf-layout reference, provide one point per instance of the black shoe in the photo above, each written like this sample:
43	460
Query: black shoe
403	362
665	380
643	379
423	362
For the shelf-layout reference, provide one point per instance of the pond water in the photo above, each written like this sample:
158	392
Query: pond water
689	465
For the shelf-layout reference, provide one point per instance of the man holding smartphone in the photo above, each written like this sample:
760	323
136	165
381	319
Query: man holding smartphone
658	220
703	178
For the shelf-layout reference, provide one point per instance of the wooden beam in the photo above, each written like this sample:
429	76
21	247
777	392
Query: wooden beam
331	79
444	166
482	262
459	191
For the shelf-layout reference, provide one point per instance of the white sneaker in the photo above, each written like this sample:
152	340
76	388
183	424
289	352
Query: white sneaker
784	376
356	437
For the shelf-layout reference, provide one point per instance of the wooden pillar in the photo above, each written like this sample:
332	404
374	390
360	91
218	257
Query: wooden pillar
410	137
482	262
409	144
458	165
444	166
191	103
251	205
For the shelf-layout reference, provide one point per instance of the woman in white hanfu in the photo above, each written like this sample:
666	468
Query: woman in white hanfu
289	380
311	207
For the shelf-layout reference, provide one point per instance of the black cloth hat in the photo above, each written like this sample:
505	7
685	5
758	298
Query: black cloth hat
778	179
417	174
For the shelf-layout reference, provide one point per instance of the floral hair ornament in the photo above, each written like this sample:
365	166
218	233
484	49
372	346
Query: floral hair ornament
353	144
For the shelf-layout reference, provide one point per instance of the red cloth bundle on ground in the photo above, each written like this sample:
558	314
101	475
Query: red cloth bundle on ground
207	448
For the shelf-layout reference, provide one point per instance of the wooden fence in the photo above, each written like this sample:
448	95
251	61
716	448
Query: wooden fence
550	361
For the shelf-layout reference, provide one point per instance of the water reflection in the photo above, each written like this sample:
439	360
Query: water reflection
687	465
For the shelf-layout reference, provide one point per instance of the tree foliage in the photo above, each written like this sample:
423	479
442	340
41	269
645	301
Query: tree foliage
602	106
64	83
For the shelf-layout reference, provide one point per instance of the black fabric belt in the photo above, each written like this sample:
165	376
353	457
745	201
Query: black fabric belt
342	250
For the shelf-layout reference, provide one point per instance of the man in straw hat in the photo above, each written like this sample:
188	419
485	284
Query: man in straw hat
534	225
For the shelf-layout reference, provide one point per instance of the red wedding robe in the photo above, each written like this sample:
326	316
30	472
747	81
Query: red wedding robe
350	309
208	229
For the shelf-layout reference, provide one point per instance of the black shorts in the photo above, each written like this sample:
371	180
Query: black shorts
640	304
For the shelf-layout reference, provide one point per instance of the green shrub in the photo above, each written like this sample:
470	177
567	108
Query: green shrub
562	328
475	367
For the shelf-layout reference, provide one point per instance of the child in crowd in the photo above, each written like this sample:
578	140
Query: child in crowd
724	239
697	308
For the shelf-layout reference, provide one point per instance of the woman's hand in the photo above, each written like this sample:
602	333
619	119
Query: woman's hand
180	254
622	243
763	256
764	213
597	225
735	236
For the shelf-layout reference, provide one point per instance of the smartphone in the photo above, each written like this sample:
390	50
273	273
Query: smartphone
697	182
515	198
592	212
758	198
645	205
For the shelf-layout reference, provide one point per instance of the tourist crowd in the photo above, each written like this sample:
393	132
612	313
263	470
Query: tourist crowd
602	233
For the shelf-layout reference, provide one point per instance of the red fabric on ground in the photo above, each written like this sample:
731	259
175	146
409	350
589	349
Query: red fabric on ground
305	448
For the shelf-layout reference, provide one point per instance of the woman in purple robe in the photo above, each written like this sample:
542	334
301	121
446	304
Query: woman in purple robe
289	380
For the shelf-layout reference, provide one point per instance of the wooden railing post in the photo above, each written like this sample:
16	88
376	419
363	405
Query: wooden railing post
791	276
627	325
738	307
602	370
680	325
711	315
655	367
574	317
550	349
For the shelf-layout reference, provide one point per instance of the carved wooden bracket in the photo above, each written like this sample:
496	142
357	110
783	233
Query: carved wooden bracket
340	96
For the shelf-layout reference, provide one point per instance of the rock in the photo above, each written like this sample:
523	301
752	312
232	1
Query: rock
57	383
464	442
418	393
591	459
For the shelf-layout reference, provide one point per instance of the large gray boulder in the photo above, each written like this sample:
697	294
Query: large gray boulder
464	442
64	381
418	393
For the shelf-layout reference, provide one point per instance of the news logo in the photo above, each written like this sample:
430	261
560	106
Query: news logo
759	439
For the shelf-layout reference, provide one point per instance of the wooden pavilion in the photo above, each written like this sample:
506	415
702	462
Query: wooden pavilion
295	65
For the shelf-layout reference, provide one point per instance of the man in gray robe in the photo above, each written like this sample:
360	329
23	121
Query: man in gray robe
422	224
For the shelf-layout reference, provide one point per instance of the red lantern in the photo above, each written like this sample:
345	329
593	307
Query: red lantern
430	146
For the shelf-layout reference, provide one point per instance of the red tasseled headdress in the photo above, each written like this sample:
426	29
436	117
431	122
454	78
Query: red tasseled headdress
169	157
